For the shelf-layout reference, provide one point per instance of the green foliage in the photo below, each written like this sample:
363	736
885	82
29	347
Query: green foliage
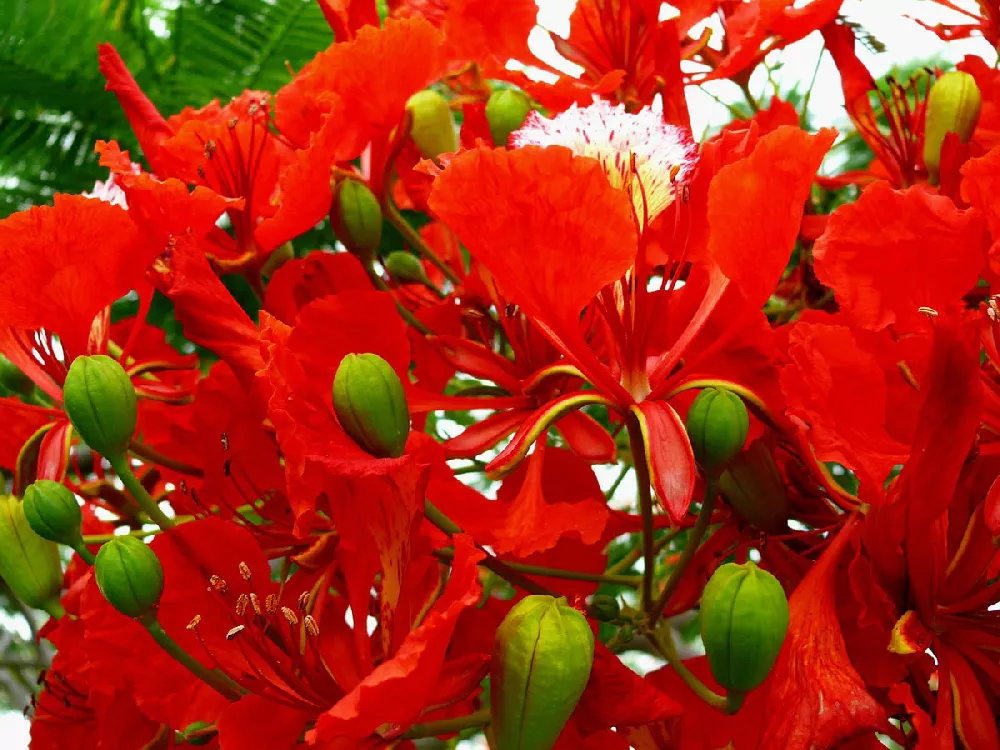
182	52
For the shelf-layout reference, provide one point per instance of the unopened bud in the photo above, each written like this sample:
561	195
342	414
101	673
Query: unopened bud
405	268
952	107
752	485
100	401
53	512
28	563
433	127
356	218
542	657
129	575
371	406
717	424
744	618
506	111
604	608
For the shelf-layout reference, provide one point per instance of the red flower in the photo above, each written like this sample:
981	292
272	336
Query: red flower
232	150
536	207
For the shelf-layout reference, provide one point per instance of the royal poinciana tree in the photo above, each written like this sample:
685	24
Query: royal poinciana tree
366	513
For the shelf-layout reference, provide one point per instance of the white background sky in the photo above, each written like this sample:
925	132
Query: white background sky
905	42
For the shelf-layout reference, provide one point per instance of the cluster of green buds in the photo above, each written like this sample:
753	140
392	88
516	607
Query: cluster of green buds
370	403
744	618
717	424
542	657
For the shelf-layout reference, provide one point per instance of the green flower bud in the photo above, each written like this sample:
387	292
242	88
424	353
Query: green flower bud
744	617
53	512
604	608
100	401
371	406
506	112
752	485
542	657
356	217
433	127
28	563
405	268
13	379
129	575
952	107
717	425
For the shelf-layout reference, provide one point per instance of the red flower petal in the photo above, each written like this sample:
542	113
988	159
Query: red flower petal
371	76
839	390
755	208
526	214
815	697
63	264
616	696
210	316
981	188
150	129
668	455
392	697
975	720
254	722
947	426
302	280
700	726
893	251
347	16
555	494
20	421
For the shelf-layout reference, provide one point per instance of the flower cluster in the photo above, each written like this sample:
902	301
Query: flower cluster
364	509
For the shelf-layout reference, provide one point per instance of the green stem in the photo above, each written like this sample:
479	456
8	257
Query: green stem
618	480
121	466
693	541
475	468
149	455
502	569
412	236
139	533
81	549
664	640
211	677
638	449
448	726
634	554
408	316
572	575
54	608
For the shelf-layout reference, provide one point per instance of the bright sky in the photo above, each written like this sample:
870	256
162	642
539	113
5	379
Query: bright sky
905	41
